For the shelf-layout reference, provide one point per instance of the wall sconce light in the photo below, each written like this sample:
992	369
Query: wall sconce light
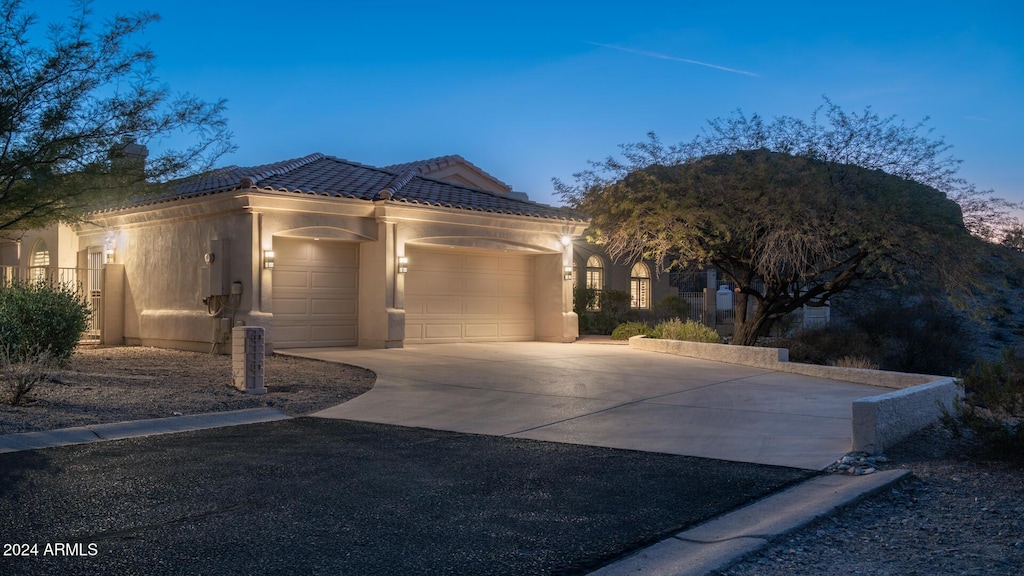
109	243
268	259
403	264
567	272
565	240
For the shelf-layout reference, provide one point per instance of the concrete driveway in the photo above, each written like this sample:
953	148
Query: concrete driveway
605	395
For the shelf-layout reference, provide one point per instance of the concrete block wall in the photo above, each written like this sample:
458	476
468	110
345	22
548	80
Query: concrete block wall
878	422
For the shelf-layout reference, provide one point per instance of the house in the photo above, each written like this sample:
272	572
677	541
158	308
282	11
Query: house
322	251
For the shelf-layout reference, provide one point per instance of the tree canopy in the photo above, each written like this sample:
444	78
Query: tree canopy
77	108
803	214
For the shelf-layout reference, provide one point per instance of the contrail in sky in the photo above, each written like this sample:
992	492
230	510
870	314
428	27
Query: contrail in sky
667	57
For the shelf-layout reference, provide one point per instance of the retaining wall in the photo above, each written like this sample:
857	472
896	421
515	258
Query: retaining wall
878	422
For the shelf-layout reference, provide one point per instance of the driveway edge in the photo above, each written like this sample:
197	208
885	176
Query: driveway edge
715	545
136	428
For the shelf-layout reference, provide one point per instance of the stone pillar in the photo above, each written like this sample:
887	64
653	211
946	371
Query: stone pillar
247	354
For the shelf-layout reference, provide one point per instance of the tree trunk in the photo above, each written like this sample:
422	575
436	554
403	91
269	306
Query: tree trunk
746	330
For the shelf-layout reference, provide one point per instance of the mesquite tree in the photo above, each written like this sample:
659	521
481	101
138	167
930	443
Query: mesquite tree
790	212
77	109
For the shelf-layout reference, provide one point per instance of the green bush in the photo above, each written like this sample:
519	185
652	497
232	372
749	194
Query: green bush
583	300
627	330
688	331
992	407
38	319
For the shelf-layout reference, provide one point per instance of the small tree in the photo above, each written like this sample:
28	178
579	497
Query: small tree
76	112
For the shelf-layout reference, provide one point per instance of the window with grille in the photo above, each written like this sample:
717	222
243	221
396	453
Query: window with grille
595	279
39	261
640	287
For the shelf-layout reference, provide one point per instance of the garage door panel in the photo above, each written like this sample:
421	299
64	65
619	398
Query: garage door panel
285	279
509	264
516	285
333	307
333	281
455	296
482	263
291	307
445	307
482	330
437	261
516	331
442	331
491	306
516	308
483	285
435	282
328	334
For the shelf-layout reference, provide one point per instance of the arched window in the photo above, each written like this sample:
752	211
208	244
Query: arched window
39	260
640	287
595	280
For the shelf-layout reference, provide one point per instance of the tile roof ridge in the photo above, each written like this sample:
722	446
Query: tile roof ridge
278	168
396	184
422	166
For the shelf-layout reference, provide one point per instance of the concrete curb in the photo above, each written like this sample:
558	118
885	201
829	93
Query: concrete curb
136	428
717	544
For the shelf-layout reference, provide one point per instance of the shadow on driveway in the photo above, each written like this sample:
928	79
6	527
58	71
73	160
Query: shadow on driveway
315	496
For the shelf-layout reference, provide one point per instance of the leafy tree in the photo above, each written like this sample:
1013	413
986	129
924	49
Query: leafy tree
791	212
76	109
1014	238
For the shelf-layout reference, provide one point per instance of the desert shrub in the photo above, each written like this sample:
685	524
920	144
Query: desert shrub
614	310
627	330
18	378
614	303
992	407
861	362
37	318
671	306
688	331
913	335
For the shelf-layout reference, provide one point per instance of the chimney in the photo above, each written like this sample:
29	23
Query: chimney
129	155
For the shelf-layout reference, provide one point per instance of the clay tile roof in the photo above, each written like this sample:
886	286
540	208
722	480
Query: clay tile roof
431	165
322	175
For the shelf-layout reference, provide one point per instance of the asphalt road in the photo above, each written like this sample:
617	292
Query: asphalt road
315	496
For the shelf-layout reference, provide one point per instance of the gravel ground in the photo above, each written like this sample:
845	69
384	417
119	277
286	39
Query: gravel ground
101	385
958	514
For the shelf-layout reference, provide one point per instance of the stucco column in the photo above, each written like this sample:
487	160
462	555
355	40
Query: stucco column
112	307
381	323
555	320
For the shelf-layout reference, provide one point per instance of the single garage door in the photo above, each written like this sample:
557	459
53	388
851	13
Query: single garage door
456	295
315	293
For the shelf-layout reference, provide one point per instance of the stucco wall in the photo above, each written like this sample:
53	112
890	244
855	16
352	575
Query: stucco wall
162	248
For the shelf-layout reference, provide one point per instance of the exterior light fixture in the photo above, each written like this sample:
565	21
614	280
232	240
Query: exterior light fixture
268	259
108	248
567	272
565	240
403	264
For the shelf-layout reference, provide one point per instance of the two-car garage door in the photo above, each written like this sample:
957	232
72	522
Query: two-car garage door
457	295
315	293
451	295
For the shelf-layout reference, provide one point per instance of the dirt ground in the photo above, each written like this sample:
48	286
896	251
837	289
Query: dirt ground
958	514
102	385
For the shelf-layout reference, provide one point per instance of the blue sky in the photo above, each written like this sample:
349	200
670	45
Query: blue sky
532	90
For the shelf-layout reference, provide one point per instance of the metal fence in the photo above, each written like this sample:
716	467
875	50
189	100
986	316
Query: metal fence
695	303
86	283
